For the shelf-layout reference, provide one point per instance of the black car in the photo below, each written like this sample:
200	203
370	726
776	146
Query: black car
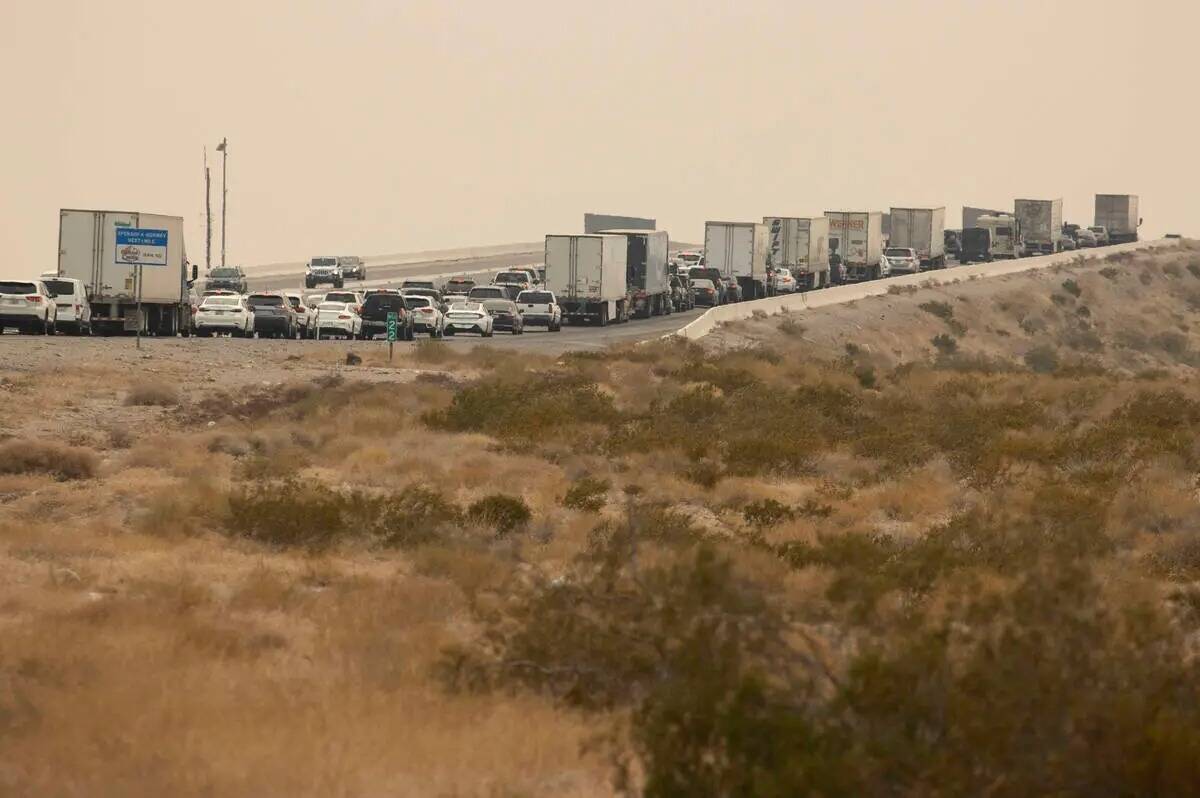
975	245
227	278
705	273
505	315
375	310
273	315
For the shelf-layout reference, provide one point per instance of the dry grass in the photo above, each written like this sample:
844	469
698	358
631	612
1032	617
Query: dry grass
153	646
47	457
152	393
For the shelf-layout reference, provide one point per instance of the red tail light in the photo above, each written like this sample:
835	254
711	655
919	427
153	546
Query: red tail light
427	310
33	298
344	316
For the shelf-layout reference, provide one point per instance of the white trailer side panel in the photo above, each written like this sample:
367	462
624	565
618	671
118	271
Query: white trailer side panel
859	235
586	267
87	251
1118	213
737	249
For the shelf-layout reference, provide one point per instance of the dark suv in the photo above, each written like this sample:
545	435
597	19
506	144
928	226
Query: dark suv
229	278
273	315
375	310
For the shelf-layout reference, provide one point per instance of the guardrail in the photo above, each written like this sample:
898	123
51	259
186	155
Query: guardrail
703	325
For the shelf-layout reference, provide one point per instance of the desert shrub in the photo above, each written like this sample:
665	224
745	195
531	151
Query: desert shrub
291	514
1060	299
1072	288
312	516
1173	343
415	516
901	289
505	408
433	352
1084	311
1145	277
1082	339
865	376
1194	269
152	393
1110	273
767	512
704	473
1032	325
500	511
853	349
943	310
791	328
1172	270
61	461
587	494
758	315
1042	359
944	344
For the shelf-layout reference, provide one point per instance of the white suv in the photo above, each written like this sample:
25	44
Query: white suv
306	315
427	317
74	312
28	306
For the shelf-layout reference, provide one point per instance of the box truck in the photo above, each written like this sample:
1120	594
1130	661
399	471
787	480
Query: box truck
646	277
739	251
1118	214
1041	225
800	244
587	274
922	230
1004	238
855	244
970	216
87	251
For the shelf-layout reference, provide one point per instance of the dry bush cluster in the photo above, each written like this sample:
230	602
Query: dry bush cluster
661	570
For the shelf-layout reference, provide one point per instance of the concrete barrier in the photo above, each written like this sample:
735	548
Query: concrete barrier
703	325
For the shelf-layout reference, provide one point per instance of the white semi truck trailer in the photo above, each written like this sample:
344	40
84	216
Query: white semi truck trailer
87	251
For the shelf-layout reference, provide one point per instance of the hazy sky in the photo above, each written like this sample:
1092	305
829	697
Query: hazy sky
373	127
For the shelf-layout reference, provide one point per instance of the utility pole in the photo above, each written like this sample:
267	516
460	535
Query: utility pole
223	148
207	216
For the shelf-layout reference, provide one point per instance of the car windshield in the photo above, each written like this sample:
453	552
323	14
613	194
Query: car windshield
417	284
414	302
265	301
429	292
323	262
295	302
223	301
18	288
487	293
59	287
332	297
897	252
689	257
1003	231
536	297
702	283
498	306
512	277
389	302
1096	229
226	272
460	285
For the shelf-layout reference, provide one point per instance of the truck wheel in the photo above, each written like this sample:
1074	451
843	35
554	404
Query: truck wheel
604	316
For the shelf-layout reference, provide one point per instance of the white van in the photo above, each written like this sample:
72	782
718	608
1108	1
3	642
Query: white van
70	297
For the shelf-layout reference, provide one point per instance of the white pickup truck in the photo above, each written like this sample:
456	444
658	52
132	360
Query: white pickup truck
540	307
